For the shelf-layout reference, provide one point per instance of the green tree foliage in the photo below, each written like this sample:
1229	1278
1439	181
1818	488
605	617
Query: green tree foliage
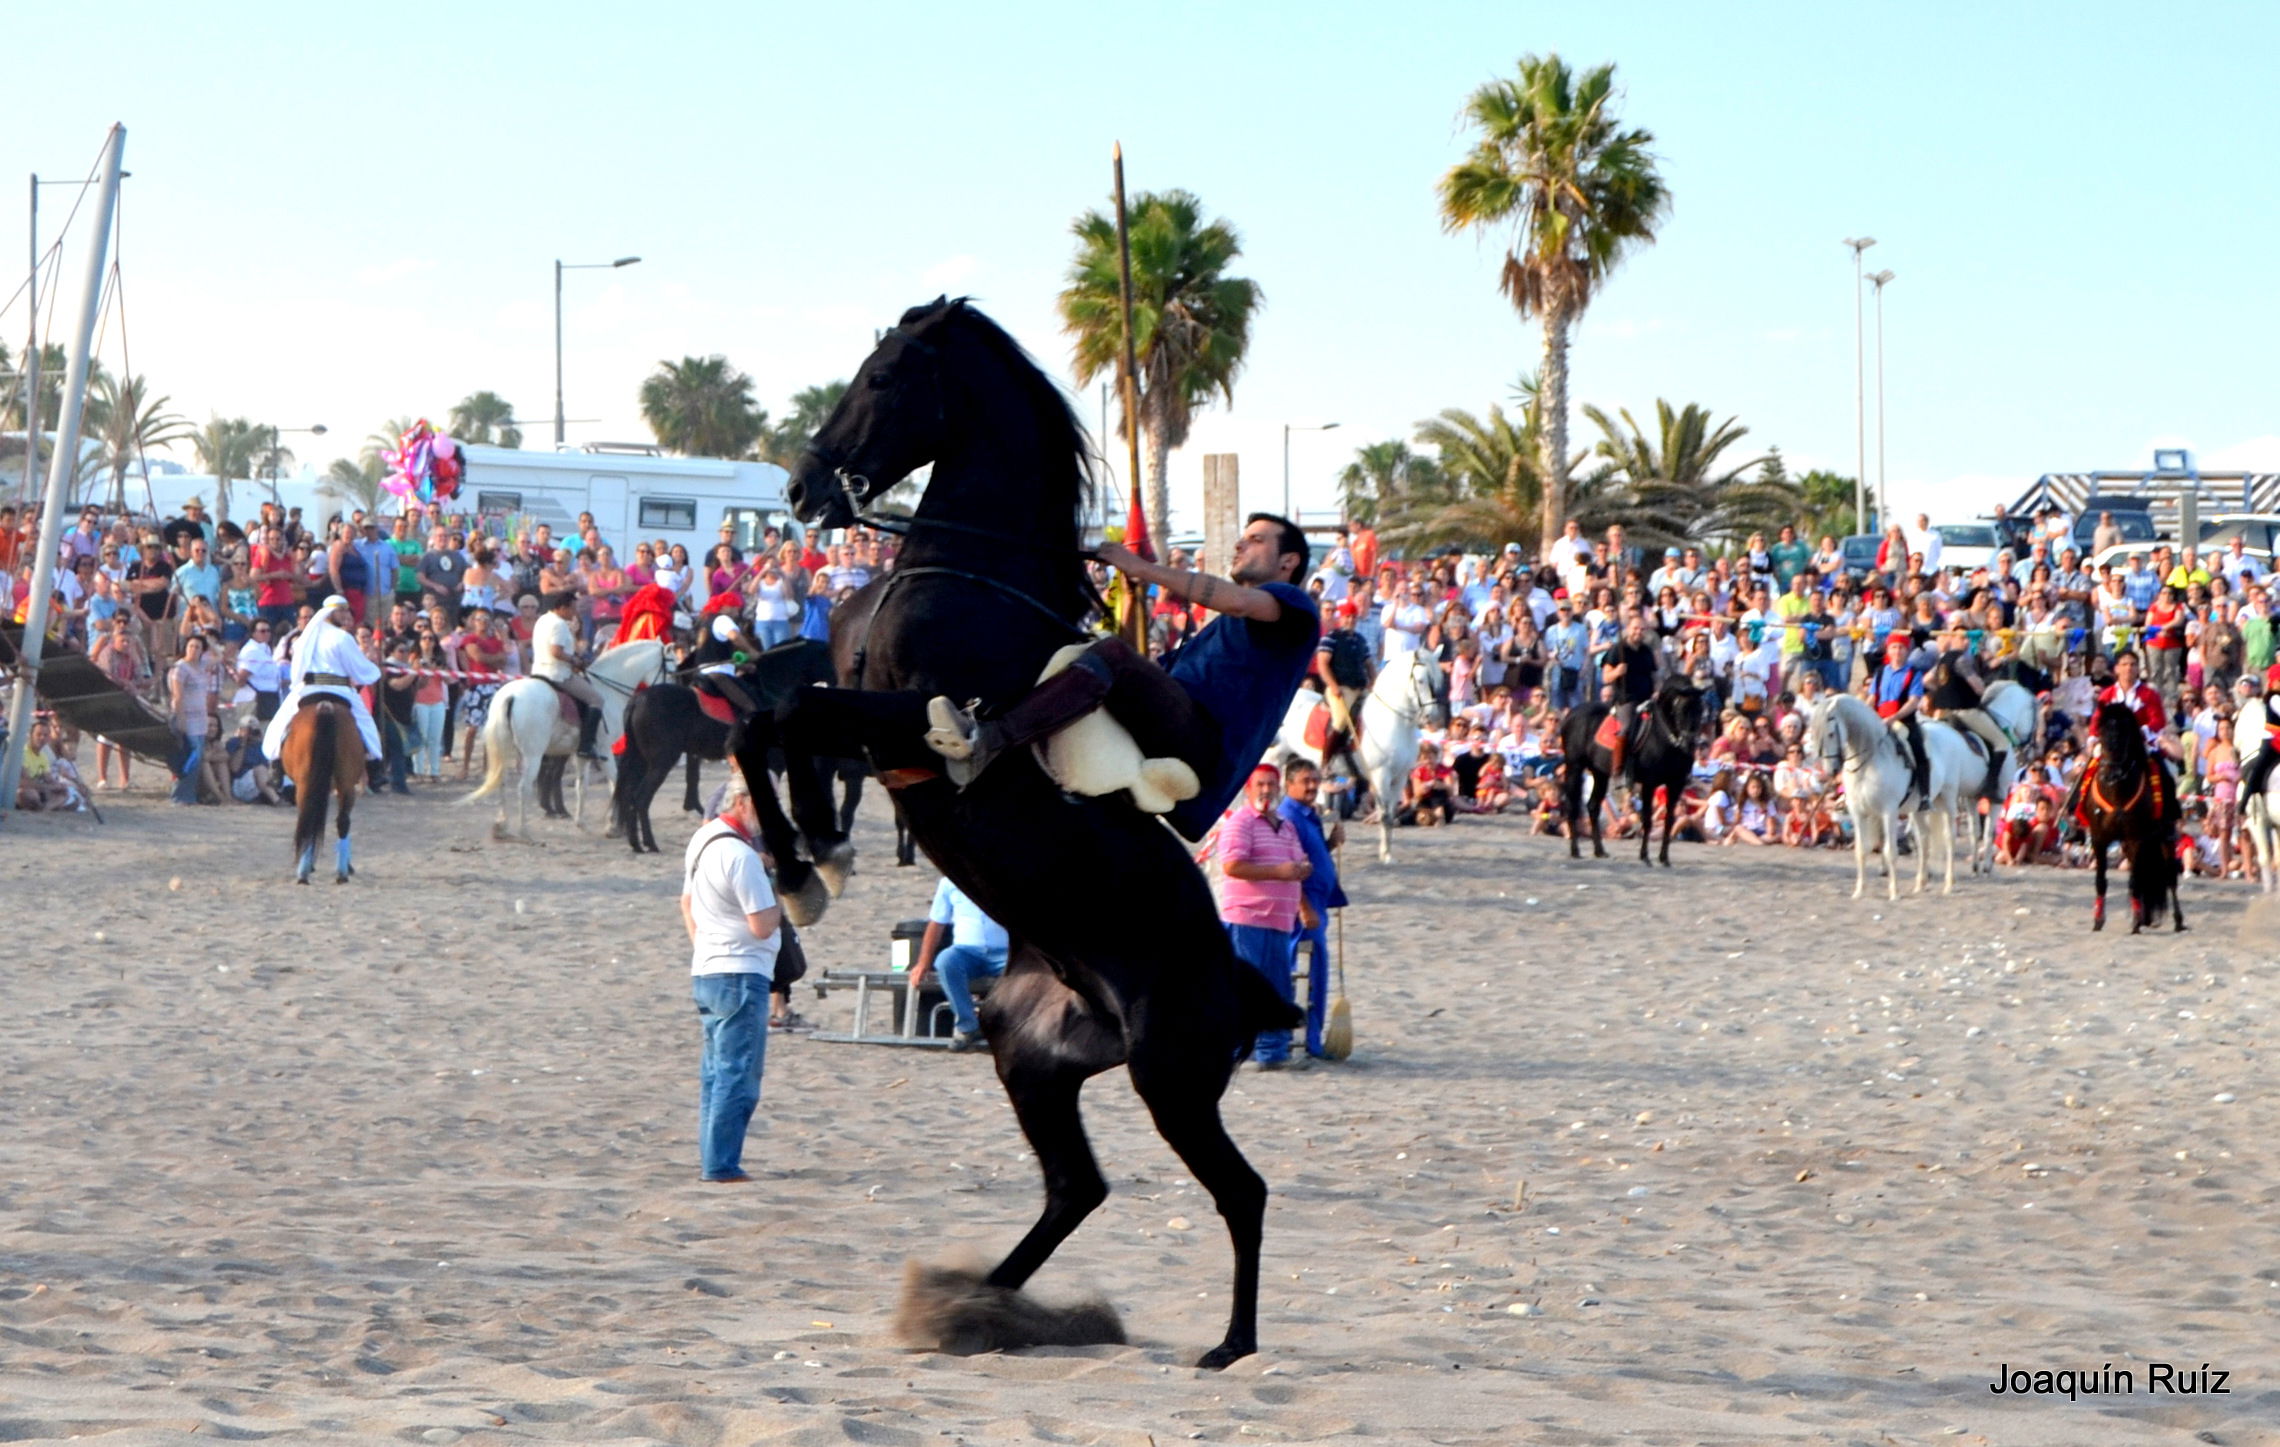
1576	192
485	418
126	422
789	438
1674	485
360	481
702	407
1485	488
1191	321
1828	504
1386	477
228	448
52	366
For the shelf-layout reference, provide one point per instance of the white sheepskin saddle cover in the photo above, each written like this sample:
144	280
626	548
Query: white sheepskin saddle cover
1095	755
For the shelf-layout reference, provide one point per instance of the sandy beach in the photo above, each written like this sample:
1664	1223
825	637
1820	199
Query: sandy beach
1712	1155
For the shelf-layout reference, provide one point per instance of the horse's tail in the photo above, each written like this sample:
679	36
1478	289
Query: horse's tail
309	811
2154	869
498	733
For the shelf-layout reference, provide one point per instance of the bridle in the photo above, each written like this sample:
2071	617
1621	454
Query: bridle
1421	695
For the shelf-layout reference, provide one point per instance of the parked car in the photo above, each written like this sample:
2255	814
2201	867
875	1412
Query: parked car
2258	532
2130	515
1966	545
1859	552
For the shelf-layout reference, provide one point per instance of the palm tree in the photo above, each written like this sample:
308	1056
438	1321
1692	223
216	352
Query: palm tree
359	481
702	407
789	438
227	448
485	417
1673	487
52	367
1578	193
1191	322
1491	487
1383	478
127	422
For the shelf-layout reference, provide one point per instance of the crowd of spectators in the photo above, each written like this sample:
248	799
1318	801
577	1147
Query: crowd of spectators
197	616
1767	627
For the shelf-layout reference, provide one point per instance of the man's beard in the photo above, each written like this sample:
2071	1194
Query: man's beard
1251	575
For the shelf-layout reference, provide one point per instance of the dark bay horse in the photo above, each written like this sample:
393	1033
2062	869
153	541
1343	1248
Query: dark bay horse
1661	757
2129	796
322	755
1118	955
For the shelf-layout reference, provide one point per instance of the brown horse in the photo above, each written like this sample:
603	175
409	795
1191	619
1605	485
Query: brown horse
322	755
2129	796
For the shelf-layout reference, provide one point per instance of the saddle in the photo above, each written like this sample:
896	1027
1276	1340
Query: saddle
716	708
562	700
1322	734
1609	732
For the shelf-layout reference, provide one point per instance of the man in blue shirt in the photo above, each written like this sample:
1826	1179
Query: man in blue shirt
199	577
1569	643
977	950
1319	893
2140	583
1216	703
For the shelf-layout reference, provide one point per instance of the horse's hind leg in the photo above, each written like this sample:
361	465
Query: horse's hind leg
1595	801
345	866
1189	1122
1670	819
1045	1102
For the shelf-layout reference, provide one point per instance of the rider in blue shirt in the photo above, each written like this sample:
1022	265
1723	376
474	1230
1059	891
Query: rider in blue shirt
1216	703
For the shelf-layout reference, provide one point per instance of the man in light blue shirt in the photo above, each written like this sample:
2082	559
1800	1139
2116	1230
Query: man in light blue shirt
199	577
1570	644
977	950
2140	583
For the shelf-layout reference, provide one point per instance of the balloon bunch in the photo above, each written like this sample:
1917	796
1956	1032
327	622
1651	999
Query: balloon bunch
424	464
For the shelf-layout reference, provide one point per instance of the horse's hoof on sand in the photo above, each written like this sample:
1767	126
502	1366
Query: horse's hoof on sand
614	832
834	867
954	1309
1223	1356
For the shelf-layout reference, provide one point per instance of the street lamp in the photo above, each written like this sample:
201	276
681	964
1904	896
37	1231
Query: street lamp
559	267
314	430
1859	244
1883	498
1287	430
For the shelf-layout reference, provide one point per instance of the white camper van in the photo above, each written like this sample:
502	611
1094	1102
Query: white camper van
634	493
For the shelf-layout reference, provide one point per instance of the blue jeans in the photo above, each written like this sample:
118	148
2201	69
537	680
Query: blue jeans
186	786
772	631
1268	952
734	1012
958	966
427	726
1317	980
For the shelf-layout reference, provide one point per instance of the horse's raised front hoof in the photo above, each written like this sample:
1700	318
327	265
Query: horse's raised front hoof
805	898
1225	1355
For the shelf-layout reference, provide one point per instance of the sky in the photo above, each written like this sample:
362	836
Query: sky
340	215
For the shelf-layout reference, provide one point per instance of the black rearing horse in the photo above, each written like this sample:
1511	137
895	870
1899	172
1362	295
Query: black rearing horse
1662	756
1118	955
2129	796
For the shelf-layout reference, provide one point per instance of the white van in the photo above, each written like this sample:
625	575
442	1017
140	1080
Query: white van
635	495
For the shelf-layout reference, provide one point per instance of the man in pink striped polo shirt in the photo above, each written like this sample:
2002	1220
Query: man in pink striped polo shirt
1264	861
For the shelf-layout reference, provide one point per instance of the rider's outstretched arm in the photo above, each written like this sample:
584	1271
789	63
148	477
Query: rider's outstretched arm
1205	590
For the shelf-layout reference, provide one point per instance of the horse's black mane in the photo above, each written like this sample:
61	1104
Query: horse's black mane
2123	740
1065	435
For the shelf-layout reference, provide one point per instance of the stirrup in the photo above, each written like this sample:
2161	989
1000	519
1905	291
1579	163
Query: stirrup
959	739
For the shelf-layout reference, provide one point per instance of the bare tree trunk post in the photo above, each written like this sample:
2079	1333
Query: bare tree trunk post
1552	405
1153	503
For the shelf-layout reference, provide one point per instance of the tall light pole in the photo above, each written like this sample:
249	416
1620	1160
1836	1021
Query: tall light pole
559	267
276	434
1859	244
1883	498
1287	430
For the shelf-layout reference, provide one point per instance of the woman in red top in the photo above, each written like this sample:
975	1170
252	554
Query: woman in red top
478	648
2165	643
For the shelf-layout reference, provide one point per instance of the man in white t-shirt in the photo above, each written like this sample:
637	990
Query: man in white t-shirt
1406	618
732	918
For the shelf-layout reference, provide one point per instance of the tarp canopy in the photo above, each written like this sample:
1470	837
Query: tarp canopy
84	697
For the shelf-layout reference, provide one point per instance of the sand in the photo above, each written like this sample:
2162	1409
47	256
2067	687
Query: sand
1708	1155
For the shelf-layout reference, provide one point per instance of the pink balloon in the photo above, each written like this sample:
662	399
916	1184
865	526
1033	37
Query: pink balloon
445	447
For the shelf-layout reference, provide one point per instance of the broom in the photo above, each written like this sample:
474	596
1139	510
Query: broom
1338	1026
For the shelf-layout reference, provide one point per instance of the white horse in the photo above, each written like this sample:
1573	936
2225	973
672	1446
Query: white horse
2260	812
1848	736
1393	714
526	718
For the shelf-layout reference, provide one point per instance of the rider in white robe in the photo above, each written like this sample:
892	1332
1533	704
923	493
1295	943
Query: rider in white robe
327	661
